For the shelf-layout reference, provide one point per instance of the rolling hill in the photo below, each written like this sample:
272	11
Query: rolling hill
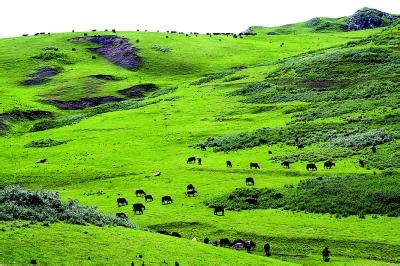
96	116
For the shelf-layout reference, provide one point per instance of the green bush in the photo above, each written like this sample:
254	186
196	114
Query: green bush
18	203
370	138
43	143
160	48
341	195
51	55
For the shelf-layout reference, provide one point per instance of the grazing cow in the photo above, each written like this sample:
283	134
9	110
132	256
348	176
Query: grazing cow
228	164
191	160
206	240
249	181
140	193
122	202
192	193
166	200
219	209
121	215
361	163
148	198
373	148
189	187
175	234
269	152
311	166
329	164
285	164
93	57
254	165
300	146
224	242
199	161
138	208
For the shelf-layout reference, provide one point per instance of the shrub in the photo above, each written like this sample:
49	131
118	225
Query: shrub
18	203
50	55
43	143
370	138
160	48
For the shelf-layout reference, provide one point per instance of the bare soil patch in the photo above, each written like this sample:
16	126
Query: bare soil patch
84	102
115	49
41	76
137	91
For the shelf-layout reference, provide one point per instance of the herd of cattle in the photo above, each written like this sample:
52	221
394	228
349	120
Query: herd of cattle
138	208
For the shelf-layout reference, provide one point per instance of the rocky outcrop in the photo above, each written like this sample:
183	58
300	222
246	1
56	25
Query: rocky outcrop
367	18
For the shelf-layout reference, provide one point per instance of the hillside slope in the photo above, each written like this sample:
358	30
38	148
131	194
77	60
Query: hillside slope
79	124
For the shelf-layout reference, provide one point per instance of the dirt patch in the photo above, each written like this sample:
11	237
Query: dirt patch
137	91
25	115
84	102
41	76
103	77
115	49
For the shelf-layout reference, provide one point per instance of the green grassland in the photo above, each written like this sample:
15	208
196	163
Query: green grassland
327	88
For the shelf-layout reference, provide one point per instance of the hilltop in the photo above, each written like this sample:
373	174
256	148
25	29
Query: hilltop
95	116
363	19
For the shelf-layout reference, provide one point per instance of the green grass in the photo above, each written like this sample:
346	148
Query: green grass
117	147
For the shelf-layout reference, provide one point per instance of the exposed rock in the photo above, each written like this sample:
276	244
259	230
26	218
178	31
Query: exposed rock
115	49
84	102
25	115
41	76
367	18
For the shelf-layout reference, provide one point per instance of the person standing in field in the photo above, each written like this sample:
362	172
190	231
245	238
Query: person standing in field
267	249
325	254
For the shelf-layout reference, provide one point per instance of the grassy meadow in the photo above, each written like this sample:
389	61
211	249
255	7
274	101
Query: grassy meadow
116	148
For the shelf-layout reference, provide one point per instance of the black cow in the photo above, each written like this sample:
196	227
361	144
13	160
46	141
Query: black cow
319	178
219	209
121	215
285	164
189	187
361	163
140	193
269	152
206	240
224	242
175	234
138	208
192	193
254	165
329	164
249	181
166	200
228	164
311	166
199	161
191	160
122	202
148	198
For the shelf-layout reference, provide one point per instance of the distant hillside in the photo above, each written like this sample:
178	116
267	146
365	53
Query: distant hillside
362	19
